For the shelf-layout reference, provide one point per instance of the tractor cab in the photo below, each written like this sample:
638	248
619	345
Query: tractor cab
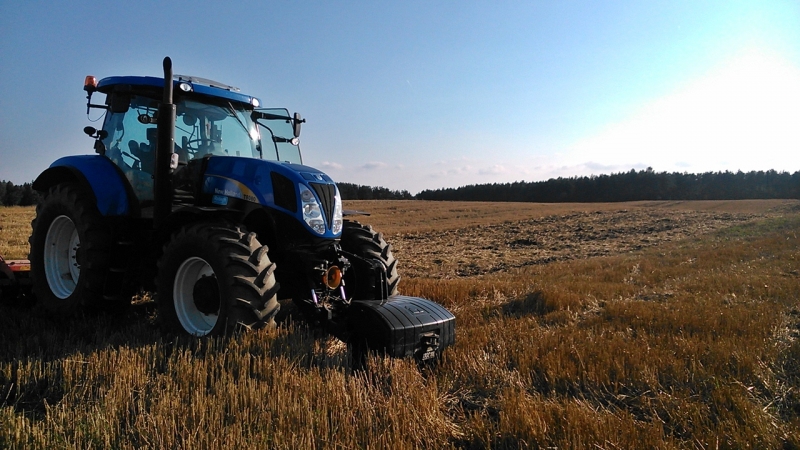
212	119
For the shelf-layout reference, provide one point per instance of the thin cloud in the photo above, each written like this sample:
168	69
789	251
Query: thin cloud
332	165
612	168
372	165
603	168
493	170
454	171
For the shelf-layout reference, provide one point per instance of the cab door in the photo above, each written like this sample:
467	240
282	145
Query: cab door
131	144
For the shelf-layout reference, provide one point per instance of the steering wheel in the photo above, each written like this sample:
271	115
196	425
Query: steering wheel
192	150
203	147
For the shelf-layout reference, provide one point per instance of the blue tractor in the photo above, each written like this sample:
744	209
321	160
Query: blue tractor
198	194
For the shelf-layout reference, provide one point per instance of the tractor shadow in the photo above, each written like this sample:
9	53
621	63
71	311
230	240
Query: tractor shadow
27	332
36	349
39	353
305	344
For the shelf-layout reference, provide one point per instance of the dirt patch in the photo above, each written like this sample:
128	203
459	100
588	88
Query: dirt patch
418	216
482	249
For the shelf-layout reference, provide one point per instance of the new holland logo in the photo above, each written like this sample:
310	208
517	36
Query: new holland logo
415	309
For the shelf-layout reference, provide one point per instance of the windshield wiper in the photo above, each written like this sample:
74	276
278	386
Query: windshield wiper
241	122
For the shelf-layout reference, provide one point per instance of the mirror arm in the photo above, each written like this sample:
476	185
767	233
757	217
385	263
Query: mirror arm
262	115
89	103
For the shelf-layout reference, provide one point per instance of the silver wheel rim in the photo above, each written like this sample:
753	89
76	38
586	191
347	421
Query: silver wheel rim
194	321
61	266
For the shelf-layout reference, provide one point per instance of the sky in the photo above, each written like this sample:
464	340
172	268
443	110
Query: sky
420	95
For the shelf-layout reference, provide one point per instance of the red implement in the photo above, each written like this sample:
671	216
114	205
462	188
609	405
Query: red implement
15	278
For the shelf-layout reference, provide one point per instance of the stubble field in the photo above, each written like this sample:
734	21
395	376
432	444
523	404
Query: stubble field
631	325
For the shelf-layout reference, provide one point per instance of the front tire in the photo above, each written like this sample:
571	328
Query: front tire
363	241
215	278
70	251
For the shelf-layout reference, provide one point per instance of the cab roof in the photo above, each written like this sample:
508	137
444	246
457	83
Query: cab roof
198	85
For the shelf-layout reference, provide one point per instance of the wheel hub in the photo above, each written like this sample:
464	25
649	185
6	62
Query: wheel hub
206	295
61	256
195	294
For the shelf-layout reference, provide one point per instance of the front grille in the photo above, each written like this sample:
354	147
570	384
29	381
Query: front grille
326	194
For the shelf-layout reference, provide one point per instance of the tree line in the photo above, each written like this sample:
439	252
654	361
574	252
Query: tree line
13	195
620	187
350	191
632	186
24	195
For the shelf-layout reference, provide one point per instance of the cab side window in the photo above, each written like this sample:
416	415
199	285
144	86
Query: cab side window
131	143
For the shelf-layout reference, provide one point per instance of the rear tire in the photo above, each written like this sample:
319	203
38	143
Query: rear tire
216	278
70	252
363	241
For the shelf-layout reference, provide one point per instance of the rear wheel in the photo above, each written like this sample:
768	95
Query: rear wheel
214	278
70	251
363	241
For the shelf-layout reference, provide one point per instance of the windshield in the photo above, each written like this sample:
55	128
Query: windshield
203	126
220	128
277	143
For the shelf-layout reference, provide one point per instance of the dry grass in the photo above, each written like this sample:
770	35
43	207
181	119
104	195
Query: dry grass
690	342
15	227
415	216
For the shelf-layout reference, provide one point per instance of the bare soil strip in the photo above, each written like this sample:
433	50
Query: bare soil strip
457	241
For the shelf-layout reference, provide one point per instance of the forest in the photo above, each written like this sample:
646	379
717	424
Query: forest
632	186
617	187
350	191
13	195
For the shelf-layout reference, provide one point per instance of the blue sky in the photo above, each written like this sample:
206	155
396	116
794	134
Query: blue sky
419	95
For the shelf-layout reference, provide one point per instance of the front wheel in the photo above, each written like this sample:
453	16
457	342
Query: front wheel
70	251
364	242
214	278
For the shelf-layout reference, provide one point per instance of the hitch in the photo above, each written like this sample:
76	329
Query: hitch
15	280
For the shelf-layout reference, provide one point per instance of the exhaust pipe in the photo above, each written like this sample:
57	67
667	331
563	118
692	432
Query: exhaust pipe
166	146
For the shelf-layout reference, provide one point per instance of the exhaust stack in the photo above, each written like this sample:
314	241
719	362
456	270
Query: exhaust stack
164	151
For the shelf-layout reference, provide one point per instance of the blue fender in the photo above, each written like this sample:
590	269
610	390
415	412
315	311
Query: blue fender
95	172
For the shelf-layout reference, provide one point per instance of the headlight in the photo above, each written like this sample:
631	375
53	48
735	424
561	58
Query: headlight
337	213
312	212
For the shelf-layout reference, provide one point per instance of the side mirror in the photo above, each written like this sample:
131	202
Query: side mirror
296	122
95	133
99	135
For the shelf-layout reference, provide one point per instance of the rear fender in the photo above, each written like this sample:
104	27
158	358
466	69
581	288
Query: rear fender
97	174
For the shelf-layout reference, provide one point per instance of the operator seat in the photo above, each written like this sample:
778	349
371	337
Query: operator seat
145	154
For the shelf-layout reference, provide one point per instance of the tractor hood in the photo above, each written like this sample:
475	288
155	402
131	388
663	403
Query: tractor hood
304	192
